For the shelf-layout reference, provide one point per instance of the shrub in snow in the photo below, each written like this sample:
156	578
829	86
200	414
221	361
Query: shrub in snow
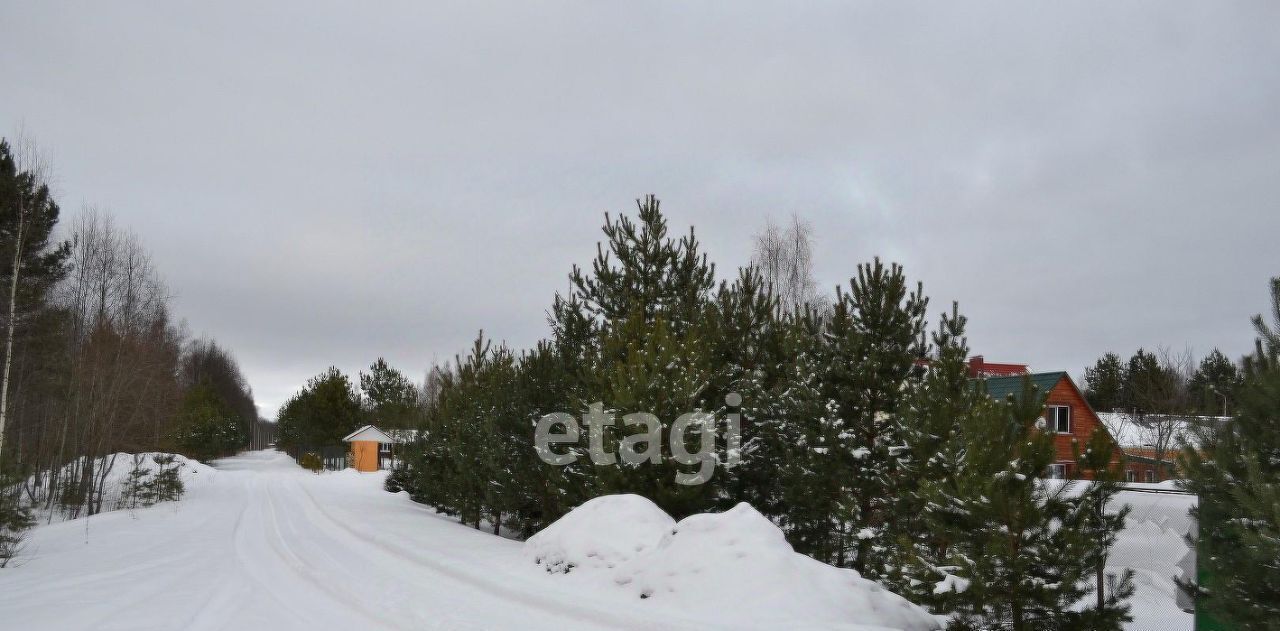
15	518
734	566
311	461
152	478
166	484
118	480
396	479
602	533
135	484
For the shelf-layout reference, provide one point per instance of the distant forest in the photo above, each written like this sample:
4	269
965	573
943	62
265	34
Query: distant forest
93	360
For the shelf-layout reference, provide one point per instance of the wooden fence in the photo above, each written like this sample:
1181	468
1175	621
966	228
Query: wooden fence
334	457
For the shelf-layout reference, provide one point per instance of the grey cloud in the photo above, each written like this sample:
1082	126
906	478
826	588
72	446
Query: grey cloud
327	183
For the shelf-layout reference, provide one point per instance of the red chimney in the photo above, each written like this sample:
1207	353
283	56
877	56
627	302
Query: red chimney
976	367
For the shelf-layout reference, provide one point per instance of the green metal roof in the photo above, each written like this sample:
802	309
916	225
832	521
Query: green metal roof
1001	387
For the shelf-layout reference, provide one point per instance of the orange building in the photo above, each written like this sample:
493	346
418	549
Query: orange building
1066	414
367	446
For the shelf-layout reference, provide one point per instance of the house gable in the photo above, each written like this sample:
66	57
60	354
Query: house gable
1083	420
368	433
1060	391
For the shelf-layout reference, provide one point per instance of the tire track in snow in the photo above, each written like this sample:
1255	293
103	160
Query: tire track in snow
280	544
254	548
244	578
185	569
214	613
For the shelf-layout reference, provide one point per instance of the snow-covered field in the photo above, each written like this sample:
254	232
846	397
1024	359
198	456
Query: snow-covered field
259	543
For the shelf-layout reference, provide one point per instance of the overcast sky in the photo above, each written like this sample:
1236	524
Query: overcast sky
327	183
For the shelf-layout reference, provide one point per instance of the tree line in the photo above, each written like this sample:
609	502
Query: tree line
862	435
94	363
1163	382
1158	399
330	406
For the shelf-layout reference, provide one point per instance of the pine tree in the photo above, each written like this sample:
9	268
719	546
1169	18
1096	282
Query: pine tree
937	412
207	428
663	374
1017	556
747	334
1214	384
15	516
389	398
1104	383
321	414
468	441
983	537
505	438
637	327
165	484
135	483
802	424
1098	524
873	340
1235	473
1147	385
428	472
653	274
31	262
545	379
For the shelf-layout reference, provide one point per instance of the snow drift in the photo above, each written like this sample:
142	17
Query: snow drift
601	534
735	567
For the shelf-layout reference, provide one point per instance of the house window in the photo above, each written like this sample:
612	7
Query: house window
1151	475
1131	475
1059	418
1057	472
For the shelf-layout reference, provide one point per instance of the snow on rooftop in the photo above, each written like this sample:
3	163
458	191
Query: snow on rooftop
1146	430
369	433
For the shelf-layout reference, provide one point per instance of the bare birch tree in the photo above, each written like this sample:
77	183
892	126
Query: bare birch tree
784	256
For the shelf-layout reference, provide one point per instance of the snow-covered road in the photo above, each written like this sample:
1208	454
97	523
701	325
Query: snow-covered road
259	543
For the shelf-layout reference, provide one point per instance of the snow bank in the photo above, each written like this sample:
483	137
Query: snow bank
112	473
734	567
1153	543
601	534
122	463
